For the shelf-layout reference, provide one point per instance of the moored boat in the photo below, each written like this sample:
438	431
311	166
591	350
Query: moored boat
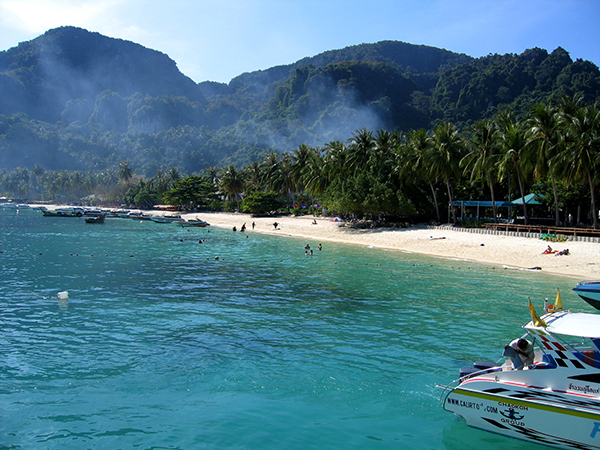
193	223
63	212
553	398
97	219
590	292
168	218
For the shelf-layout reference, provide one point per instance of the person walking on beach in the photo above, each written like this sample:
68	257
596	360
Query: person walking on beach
253	225
275	225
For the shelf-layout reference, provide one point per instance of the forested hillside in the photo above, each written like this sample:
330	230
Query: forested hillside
76	100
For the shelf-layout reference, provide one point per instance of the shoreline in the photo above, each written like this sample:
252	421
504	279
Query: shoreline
509	252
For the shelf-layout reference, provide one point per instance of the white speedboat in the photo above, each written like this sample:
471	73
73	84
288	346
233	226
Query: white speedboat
555	401
168	218
193	223
590	292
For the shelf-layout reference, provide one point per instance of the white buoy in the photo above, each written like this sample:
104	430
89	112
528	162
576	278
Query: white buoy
63	295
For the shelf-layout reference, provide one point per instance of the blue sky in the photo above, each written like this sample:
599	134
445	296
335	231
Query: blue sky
219	39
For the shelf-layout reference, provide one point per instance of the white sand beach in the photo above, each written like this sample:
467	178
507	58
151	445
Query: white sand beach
582	262
510	252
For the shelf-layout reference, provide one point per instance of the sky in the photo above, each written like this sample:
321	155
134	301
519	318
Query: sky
216	40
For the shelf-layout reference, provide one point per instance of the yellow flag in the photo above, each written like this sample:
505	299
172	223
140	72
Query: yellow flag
558	303
537	322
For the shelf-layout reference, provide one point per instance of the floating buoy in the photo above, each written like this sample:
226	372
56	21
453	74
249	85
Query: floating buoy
63	295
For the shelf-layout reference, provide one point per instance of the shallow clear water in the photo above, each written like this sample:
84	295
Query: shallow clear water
162	346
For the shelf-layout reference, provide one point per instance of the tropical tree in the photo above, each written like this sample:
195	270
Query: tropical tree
190	191
299	160
580	161
513	144
272	173
483	156
253	175
544	141
232	183
444	156
360	148
412	163
334	160
316	176
125	172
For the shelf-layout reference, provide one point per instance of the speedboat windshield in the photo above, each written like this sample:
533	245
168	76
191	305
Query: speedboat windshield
573	324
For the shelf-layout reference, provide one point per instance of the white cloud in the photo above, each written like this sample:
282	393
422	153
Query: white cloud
37	16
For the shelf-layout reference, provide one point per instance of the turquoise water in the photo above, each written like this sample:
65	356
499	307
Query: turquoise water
162	346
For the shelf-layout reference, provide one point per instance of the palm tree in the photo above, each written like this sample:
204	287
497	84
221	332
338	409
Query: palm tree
271	172
483	156
316	176
581	159
173	175
253	176
412	162
512	139
125	172
444	156
334	160
544	141
212	175
298	166
360	149
232	183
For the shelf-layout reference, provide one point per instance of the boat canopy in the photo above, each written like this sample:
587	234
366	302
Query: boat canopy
572	324
480	203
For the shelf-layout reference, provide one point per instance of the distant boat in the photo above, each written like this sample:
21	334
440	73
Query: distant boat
590	292
63	212
193	223
96	219
168	218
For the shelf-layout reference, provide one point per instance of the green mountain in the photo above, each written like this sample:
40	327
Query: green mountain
42	76
76	100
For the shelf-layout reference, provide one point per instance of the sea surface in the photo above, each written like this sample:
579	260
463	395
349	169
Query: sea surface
242	341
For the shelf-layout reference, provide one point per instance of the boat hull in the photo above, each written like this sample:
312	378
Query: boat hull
546	417
590	292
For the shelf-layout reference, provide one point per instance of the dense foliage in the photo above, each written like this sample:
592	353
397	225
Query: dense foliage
75	100
554	151
86	118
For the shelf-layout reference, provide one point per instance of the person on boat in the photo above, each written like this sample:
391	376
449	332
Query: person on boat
520	351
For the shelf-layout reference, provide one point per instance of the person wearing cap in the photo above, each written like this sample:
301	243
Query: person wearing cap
520	351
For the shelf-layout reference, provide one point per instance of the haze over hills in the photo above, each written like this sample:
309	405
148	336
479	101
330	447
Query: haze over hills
76	100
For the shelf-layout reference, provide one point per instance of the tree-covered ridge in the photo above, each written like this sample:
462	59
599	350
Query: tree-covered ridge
68	63
77	100
484	86
554	152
